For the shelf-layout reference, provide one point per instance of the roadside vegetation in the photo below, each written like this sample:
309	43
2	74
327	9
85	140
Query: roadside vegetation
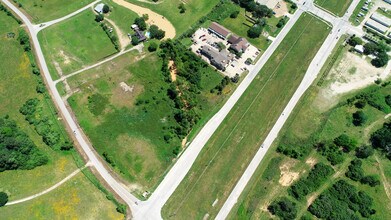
337	7
346	133
74	43
41	11
227	153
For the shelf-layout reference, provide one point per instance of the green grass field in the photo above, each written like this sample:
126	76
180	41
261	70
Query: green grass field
233	145
131	134
337	7
74	43
17	85
76	199
41	11
314	118
195	9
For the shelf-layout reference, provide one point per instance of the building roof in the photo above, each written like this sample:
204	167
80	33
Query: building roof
215	56
238	43
359	48
219	29
269	3
376	25
381	19
140	35
99	7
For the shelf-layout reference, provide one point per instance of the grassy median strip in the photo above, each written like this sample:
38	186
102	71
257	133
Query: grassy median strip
231	148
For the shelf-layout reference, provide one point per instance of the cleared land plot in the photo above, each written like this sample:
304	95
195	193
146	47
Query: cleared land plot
41	11
135	112
315	118
78	198
195	9
233	145
18	84
74	43
337	7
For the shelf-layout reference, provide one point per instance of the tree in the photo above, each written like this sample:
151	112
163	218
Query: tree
24	40
135	40
380	60
364	151
346	142
99	17
152	47
234	14
182	8
3	199
140	22
370	48
381	139
359	118
283	208
360	103
255	31
353	41
370	180
106	9
221	46
156	33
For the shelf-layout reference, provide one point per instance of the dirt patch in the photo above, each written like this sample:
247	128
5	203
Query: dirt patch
154	18
281	9
124	95
353	72
66	58
122	38
311	161
287	177
173	70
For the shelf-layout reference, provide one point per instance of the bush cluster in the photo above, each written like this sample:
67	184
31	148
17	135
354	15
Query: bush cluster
17	150
316	177
342	201
283	208
381	139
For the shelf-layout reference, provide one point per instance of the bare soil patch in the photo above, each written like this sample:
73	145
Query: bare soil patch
281	9
287	177
173	70
311	161
124	95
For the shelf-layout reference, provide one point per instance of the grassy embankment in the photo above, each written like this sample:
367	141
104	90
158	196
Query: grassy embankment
195	9
41	11
337	7
231	148
17	85
308	124
74	43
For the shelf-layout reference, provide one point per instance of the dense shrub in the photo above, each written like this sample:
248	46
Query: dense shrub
364	152
342	201
255	31
140	22
381	139
17	151
347	143
156	33
283	208
355	172
332	152
316	177
24	40
152	47
234	14
3	199
359	118
370	180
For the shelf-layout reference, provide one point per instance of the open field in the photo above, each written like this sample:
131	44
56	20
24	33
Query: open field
233	145
17	85
195	9
337	7
314	119
74	43
78	198
41	11
133	112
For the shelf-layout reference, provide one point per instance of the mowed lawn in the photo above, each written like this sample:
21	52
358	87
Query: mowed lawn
337	7
77	198
228	152
47	10
18	84
195	9
74	43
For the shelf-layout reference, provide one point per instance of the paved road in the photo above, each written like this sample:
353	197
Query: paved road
105	174
340	27
152	207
